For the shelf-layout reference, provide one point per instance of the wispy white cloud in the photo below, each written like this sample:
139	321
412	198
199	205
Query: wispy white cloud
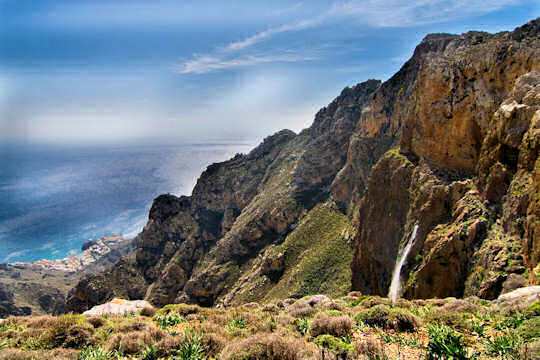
372	13
399	13
383	13
263	35
205	63
13	255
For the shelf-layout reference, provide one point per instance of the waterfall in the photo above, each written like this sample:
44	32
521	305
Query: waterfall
395	285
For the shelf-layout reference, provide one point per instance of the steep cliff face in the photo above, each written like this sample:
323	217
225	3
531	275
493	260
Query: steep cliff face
463	168
448	144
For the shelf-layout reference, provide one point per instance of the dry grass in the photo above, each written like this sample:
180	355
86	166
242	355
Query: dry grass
354	327
268	347
339	326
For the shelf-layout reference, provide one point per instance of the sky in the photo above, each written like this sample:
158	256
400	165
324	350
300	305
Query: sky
114	71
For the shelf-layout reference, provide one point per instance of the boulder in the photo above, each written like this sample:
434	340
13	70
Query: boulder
520	298
118	307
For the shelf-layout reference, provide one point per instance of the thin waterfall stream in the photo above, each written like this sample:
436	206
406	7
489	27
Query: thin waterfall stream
395	285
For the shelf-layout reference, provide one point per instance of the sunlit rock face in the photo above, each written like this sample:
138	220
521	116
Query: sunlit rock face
464	111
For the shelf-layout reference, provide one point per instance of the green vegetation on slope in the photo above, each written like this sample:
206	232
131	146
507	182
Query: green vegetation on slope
317	256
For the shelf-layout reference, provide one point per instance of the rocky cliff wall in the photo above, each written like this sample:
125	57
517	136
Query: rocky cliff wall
463	167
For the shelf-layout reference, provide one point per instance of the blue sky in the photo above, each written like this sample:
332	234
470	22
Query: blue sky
122	71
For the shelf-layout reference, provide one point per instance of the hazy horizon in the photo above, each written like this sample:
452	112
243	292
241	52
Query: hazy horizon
93	72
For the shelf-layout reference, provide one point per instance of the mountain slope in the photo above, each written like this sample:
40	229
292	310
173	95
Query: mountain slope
449	143
195	249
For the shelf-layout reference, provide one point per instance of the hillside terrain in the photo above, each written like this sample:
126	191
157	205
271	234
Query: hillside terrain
314	327
449	144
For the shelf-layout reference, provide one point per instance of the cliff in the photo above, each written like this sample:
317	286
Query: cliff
449	143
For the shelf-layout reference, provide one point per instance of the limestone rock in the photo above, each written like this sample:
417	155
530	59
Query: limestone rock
520	298
118	307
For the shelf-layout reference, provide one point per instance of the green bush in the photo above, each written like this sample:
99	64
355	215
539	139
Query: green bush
534	309
166	320
236	324
384	317
511	321
504	346
445	343
302	325
95	353
69	331
192	348
530	329
333	312
339	346
3	344
150	353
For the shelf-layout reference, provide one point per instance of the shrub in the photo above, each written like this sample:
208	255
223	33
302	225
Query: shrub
302	325
266	347
95	353
168	345
403	320
371	348
214	343
150	353
530	329
333	312
192	348
301	308
181	309
333	325
385	317
69	331
235	326
96	321
505	346
4	344
148	311
530	351
134	342
450	318
166	320
57	354
511	321
339	346
445	343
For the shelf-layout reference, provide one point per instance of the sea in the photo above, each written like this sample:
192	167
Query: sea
55	198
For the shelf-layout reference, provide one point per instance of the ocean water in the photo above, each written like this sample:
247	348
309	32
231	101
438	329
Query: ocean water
54	198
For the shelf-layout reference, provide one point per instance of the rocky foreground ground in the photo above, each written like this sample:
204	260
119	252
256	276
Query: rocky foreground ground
314	327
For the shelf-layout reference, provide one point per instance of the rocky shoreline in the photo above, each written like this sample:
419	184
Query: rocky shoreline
92	251
41	286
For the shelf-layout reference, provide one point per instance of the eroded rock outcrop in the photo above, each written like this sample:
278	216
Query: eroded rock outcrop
466	116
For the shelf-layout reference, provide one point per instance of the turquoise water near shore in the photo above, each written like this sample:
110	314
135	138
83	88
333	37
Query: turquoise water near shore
54	198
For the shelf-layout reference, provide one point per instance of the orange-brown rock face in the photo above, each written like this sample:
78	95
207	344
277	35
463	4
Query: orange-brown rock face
464	112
